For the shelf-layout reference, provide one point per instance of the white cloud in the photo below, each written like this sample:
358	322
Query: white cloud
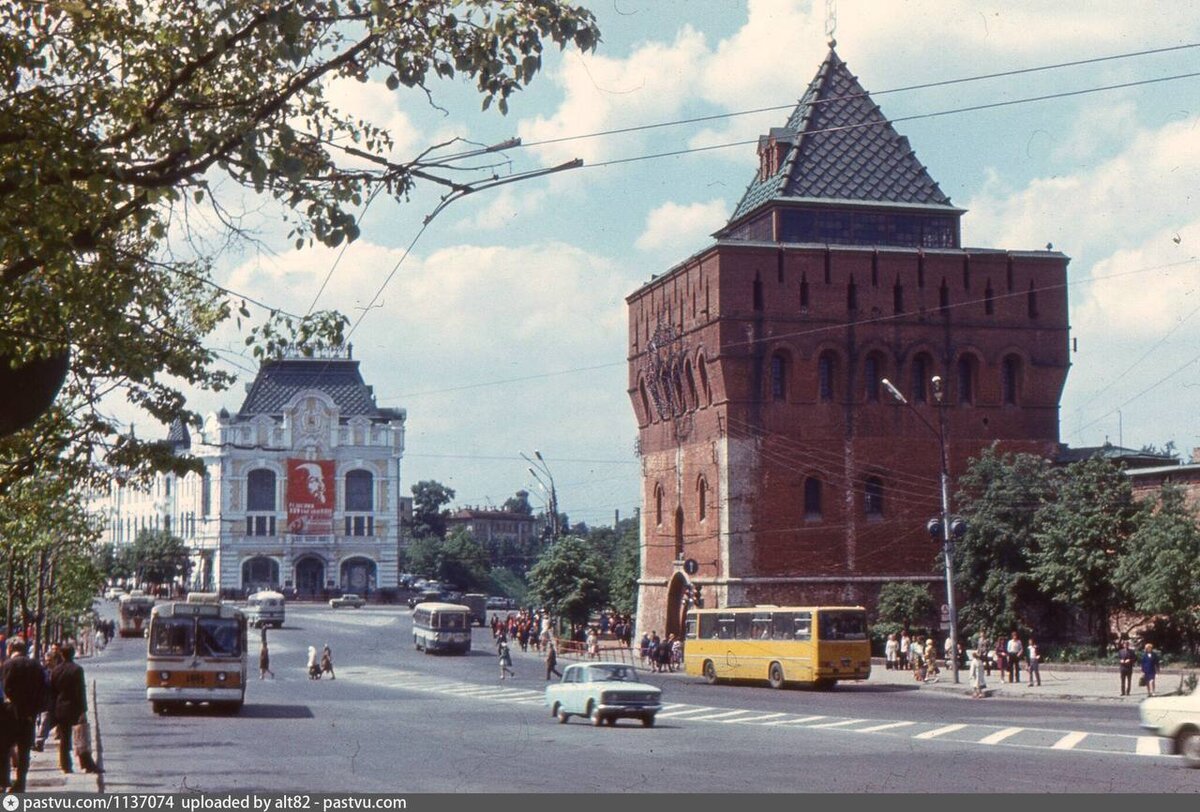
680	228
371	101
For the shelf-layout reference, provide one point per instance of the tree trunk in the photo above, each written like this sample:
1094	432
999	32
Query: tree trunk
39	616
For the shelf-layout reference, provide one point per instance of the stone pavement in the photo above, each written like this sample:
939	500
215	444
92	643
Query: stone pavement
44	775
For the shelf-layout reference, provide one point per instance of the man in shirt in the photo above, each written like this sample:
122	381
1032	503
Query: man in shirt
69	688
1015	649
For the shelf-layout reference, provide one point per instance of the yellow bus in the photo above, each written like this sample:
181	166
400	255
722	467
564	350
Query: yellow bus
807	645
196	652
133	613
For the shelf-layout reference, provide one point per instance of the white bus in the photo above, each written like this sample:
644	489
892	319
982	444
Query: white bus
441	627
133	613
265	609
196	653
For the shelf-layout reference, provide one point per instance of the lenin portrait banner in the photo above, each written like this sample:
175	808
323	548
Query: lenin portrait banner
310	497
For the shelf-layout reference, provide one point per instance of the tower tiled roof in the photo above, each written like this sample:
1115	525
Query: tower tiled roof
841	147
178	434
280	380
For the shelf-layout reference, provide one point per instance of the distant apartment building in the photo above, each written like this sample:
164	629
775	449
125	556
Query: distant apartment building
300	489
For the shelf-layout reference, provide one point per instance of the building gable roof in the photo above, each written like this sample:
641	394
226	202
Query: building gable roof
279	381
841	147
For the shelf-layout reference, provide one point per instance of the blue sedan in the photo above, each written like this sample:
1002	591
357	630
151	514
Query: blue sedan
603	692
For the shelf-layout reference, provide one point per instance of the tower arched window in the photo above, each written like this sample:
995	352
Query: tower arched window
693	397
966	380
702	498
1010	380
648	415
658	505
779	376
812	498
826	376
873	497
922	365
705	386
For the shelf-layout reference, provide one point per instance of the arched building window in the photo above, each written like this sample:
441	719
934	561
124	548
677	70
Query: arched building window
873	497
873	372
966	380
702	498
360	504
1010	380
921	367
260	502
812	498
826	376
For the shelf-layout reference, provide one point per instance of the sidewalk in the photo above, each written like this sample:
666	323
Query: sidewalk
1078	683
44	775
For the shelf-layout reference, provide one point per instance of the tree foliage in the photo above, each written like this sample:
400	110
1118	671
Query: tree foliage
569	580
1081	535
1159	571
124	124
907	605
999	496
156	557
430	498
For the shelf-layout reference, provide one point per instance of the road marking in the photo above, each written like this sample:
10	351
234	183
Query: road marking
673	706
1001	735
1069	741
685	710
941	731
888	726
719	715
842	723
754	719
1148	746
799	721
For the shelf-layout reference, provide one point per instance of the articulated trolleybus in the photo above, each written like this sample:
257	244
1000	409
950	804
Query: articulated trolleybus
807	645
196	653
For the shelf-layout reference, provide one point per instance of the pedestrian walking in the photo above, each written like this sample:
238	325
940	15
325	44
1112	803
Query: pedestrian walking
932	674
314	670
1014	649
264	661
505	659
327	662
1126	658
551	661
50	660
24	686
978	683
1150	662
69	688
1034	672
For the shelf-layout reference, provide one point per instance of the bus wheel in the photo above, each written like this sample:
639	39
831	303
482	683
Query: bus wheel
710	672
775	675
825	684
158	708
648	720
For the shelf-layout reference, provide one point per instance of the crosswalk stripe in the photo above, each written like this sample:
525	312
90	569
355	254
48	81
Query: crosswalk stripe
1001	735
941	731
841	723
1069	741
684	711
720	715
888	726
673	705
798	721
1148	746
753	719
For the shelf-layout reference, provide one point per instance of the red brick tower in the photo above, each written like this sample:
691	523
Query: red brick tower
771	454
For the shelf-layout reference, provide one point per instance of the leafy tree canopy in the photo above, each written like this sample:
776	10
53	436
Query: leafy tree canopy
518	503
908	605
118	122
156	557
569	580
430	498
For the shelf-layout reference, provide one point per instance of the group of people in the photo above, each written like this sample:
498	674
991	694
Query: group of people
919	654
1128	658
54	689
527	628
912	653
318	668
661	654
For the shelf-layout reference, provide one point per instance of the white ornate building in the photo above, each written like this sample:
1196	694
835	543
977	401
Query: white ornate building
300	489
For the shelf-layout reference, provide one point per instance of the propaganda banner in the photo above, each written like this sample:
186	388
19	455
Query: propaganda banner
310	497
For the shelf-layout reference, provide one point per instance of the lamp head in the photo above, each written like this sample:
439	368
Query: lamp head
936	383
893	391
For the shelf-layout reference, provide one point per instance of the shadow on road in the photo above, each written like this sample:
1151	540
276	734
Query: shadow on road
276	712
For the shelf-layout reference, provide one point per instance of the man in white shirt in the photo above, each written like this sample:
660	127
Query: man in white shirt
1015	649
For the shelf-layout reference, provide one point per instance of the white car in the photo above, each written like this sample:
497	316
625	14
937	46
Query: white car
348	600
603	693
1176	718
113	593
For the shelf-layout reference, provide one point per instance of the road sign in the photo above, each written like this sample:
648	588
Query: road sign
691	566
945	613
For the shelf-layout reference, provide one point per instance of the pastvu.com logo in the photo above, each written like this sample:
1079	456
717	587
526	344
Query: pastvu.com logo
11	802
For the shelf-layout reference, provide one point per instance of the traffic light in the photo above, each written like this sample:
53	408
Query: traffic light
934	526
698	598
958	527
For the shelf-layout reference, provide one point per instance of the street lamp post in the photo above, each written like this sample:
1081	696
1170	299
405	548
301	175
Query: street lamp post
947	543
541	466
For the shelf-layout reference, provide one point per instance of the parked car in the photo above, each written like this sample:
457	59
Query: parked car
349	599
113	593
495	602
603	692
1177	719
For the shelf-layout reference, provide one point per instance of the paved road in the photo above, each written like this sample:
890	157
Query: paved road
397	720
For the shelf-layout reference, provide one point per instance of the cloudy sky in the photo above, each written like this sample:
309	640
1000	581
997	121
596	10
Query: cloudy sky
504	329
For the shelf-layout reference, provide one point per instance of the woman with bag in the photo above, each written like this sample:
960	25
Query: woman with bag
1150	661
